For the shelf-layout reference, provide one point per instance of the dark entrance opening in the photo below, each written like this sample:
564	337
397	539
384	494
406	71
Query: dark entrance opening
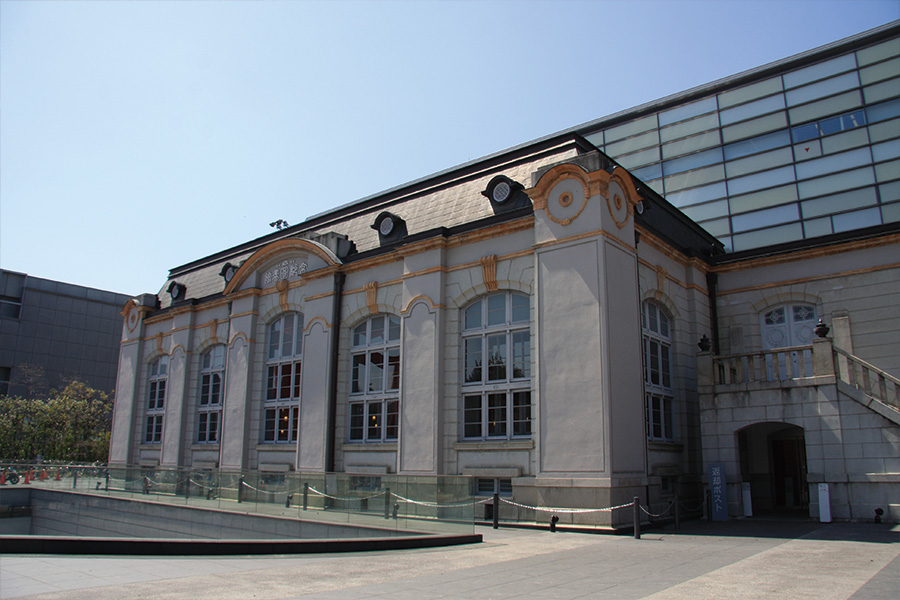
773	461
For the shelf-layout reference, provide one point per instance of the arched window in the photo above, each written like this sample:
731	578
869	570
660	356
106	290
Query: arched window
156	400
496	343
789	325
212	380
283	362
657	341
375	380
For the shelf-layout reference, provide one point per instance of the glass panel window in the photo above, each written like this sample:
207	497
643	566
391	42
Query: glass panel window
845	141
705	123
836	183
631	128
497	400
754	127
692	161
712	210
752	109
856	220
878	52
212	378
764	199
829	87
633	144
690	144
820	71
757	144
883	111
687	111
750	92
698	195
638	159
882	91
156	400
759	162
281	411
657	343
762	218
695	178
767	237
833	163
750	183
374	414
824	108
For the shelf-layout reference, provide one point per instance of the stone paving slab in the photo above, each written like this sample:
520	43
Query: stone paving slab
740	559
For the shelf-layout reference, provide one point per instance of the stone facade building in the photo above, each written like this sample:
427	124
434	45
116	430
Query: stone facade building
530	320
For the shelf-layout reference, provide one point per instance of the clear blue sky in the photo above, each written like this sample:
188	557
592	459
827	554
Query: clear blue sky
139	136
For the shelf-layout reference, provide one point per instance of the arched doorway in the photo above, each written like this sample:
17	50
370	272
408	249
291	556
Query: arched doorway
773	461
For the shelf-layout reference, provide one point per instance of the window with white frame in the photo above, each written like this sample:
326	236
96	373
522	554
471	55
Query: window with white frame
375	380
156	400
281	413
209	408
496	344
658	391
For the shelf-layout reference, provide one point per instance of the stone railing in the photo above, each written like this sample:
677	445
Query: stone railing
870	379
820	359
764	366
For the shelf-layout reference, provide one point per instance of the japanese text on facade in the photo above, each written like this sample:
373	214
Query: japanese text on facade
288	269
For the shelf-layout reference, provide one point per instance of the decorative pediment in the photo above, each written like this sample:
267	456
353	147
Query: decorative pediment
282	261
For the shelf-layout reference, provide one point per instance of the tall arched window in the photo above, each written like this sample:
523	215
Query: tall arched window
497	367
283	362
156	400
658	373
212	380
375	380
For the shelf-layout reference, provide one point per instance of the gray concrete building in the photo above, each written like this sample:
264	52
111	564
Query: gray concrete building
545	322
52	332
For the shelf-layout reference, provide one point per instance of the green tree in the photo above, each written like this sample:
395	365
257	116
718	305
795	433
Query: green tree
68	426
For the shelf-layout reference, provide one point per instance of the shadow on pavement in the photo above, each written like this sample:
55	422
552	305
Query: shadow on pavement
883	533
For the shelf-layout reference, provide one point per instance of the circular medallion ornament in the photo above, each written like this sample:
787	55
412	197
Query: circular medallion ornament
501	192
386	226
229	273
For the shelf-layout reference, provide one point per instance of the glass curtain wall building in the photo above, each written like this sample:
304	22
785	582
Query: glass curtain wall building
804	147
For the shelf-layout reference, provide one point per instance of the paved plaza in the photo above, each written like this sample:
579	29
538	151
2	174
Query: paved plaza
739	559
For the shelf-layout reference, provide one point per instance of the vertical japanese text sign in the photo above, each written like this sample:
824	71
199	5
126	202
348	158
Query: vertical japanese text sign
718	492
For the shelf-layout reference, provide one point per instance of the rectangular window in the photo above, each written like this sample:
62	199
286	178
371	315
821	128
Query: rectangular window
751	183
829	87
660	418
820	71
281	424
472	416
473	360
754	127
631	128
639	142
882	91
750	92
687	111
154	429
357	421
521	414
823	108
496	351
496	415
756	145
686	128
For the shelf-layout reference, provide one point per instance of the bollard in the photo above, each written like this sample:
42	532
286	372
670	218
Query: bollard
305	495
106	488
496	511
240	488
677	513
75	480
553	521
636	510
387	503
396	509
708	506
287	501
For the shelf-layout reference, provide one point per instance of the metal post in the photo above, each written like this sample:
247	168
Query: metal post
387	503
305	495
240	487
75	480
677	513
107	482
636	514
496	510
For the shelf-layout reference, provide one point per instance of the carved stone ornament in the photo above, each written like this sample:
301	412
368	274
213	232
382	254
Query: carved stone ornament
371	296
489	271
282	287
